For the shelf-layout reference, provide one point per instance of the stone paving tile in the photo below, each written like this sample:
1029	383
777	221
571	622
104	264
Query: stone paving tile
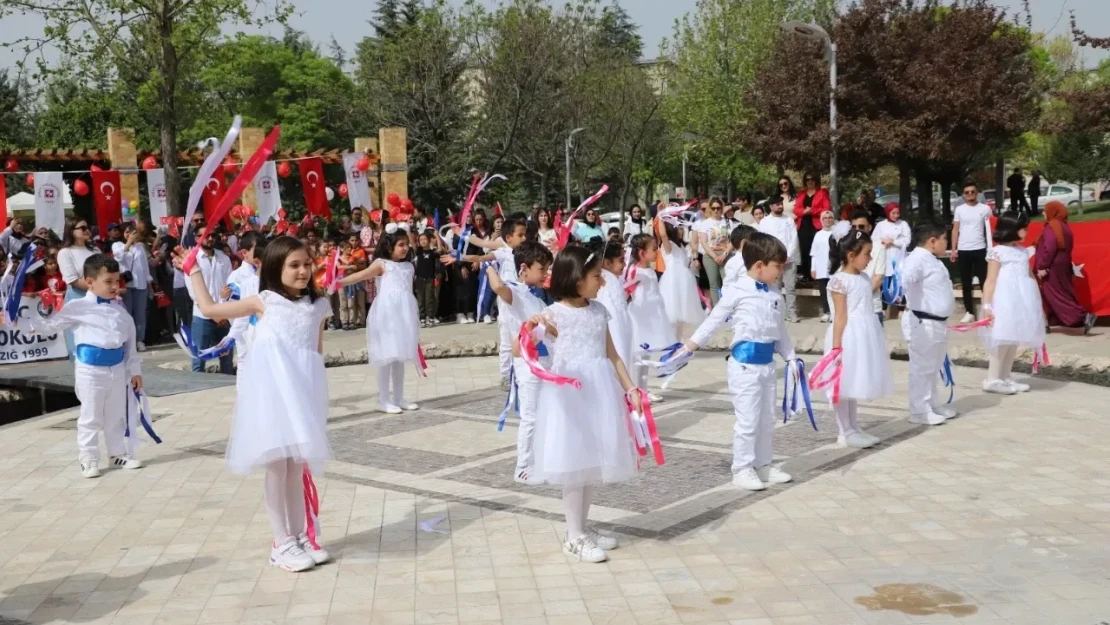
1005	507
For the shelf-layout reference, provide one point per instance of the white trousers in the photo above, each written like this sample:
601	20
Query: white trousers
102	392
504	348
928	345
391	375
528	391
283	494
752	389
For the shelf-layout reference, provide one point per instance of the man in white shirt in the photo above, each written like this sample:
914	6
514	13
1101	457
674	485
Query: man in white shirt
971	238
782	228
135	298
215	267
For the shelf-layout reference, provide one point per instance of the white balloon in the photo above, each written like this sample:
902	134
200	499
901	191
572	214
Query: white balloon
328	192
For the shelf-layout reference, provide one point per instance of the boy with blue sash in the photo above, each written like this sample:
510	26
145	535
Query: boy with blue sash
107	365
754	308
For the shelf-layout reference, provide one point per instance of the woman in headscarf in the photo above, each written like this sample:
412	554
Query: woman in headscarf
1054	271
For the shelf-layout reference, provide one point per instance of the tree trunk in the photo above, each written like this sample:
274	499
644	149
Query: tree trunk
1080	196
924	191
167	114
946	199
999	186
905	195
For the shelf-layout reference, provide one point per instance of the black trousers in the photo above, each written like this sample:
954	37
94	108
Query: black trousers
1018	203
972	264
1034	200
466	290
823	289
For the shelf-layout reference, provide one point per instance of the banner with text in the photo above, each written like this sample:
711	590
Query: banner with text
19	346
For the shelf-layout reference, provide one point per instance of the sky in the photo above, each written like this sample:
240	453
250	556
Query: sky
322	19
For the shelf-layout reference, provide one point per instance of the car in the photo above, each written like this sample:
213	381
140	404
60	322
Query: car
883	200
613	219
1067	194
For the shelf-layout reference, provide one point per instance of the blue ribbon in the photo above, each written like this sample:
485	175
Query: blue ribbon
143	421
435	220
236	294
892	287
512	401
483	283
16	292
949	381
667	352
461	244
790	393
216	351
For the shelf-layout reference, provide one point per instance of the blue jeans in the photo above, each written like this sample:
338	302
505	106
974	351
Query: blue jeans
135	301
487	303
72	293
207	333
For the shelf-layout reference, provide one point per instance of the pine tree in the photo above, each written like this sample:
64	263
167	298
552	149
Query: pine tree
618	31
387	19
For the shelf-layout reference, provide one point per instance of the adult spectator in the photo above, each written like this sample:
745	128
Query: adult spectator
545	228
115	235
743	212
758	212
77	246
807	216
636	223
865	201
357	223
710	239
1035	192
1016	184
788	194
215	267
13	237
778	225
1054	272
345	226
589	228
971	238
135	297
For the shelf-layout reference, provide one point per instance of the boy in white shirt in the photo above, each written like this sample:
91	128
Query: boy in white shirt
734	267
930	301
753	307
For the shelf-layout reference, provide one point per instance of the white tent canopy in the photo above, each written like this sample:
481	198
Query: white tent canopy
25	202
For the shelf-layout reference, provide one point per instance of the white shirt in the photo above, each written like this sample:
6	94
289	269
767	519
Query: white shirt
524	307
178	278
782	228
632	228
140	266
898	231
734	269
756	315
975	233
71	262
215	270
712	233
246	278
506	267
927	285
123	257
819	254
106	325
878	261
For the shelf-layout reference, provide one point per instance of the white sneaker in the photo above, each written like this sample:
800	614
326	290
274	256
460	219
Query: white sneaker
945	412
434	321
968	318
772	475
460	318
872	440
487	319
825	318
748	479
929	418
524	476
140	346
90	468
603	542
389	409
856	440
290	557
126	462
655	399
319	555
408	405
998	387
423	323
1017	386
584	550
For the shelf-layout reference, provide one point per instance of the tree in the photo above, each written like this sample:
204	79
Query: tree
617	31
15	116
1078	156
154	41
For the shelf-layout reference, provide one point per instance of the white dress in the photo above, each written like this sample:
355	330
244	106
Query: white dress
679	288
1018	312
650	324
866	358
393	323
582	435
613	297
281	408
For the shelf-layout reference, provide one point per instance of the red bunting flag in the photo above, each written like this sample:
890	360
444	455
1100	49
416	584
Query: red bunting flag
213	194
312	181
107	198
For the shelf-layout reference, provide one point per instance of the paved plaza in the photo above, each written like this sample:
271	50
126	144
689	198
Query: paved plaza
1000	516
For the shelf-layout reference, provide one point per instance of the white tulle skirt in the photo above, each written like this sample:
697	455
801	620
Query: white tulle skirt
582	434
679	290
1018	315
650	323
866	359
393	329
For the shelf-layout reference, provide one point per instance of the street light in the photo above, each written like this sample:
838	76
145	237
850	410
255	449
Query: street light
569	145
813	32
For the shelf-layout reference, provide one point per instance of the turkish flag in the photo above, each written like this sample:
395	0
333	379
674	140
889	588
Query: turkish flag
312	180
214	191
107	199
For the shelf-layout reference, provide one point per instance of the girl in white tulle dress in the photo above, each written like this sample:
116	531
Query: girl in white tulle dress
582	434
281	407
857	331
678	286
615	299
1012	300
393	322
650	324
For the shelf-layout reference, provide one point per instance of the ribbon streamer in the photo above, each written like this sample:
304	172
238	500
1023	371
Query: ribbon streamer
184	338
565	232
892	286
483	282
15	293
530	354
827	373
630	281
1040	358
214	160
143	413
946	377
421	362
512	401
331	274
794	384
311	508
965	327
645	435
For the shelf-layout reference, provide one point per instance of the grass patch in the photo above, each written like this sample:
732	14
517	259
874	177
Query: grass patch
1092	211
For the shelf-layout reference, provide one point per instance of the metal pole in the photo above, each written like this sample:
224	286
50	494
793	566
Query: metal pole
834	192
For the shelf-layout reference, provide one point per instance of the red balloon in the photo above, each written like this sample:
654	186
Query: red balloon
363	164
80	188
394	200
230	166
30	180
284	170
150	162
11	165
95	167
343	190
395	214
376	215
408	205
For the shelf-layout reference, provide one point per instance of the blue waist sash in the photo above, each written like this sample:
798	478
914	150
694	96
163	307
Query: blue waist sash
752	353
99	356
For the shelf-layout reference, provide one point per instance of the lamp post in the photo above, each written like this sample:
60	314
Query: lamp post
570	144
813	32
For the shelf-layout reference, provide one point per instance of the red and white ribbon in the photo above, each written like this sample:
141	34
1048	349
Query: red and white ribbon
530	354
311	509
331	274
476	187
630	281
214	161
566	230
965	327
641	426
1040	358
827	373
422	362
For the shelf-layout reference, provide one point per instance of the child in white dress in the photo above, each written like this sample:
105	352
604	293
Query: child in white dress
650	324
281	407
393	323
615	299
1012	299
858	332
582	434
819	262
678	286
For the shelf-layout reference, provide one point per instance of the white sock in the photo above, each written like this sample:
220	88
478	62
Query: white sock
853	414
397	373
383	385
1009	354
843	412
294	497
273	496
574	501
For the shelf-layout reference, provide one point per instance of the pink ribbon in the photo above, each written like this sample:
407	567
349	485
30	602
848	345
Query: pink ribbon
705	300
421	360
565	232
649	422
531	357
964	327
630	282
331	274
1040	358
311	508
476	187
827	374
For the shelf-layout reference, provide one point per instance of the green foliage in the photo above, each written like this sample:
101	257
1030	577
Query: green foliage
1078	156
